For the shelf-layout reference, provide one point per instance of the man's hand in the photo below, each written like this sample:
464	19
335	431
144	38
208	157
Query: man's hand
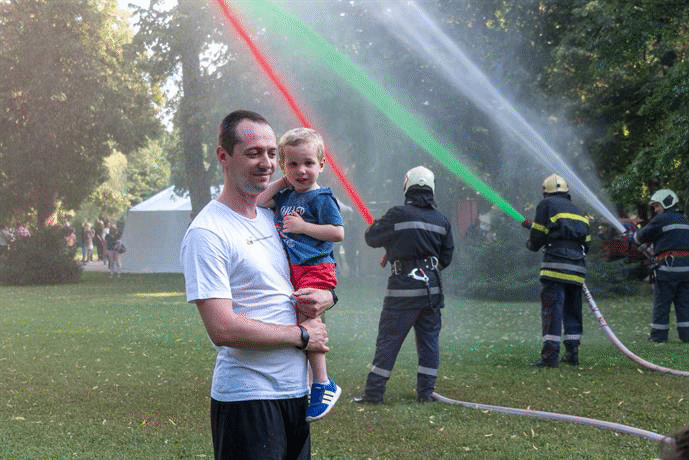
313	302
318	335
293	223
384	260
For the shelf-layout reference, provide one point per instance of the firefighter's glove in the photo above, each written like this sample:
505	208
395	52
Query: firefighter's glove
526	224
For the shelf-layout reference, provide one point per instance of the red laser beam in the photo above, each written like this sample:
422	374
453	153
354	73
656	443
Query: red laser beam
263	62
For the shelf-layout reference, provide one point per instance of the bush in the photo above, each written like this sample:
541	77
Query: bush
496	265
42	258
612	278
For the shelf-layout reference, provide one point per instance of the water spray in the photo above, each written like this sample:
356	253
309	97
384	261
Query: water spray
409	124
267	68
417	29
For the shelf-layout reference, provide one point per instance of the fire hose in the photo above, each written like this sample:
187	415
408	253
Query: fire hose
625	429
554	416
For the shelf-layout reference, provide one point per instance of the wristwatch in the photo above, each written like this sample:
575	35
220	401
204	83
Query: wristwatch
304	337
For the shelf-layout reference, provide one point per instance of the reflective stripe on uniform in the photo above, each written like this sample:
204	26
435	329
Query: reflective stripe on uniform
410	292
675	227
661	327
561	266
668	268
572	336
419	225
540	228
551	338
428	371
379	371
562	276
569	215
683	324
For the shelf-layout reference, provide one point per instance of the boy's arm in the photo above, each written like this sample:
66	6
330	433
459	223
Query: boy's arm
265	198
294	223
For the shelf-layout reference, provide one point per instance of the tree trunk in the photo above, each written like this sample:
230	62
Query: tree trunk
46	208
197	176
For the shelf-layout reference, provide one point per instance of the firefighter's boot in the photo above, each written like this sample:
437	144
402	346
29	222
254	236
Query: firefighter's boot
571	356
548	359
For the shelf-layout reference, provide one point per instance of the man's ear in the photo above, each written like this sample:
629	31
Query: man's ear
221	154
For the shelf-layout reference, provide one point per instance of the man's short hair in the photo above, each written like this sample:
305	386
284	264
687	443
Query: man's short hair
228	137
297	136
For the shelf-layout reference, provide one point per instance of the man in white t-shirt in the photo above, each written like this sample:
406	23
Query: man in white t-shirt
237	273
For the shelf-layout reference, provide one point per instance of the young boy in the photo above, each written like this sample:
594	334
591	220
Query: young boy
309	221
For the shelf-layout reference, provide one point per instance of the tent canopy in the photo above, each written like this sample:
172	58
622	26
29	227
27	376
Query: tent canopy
153	232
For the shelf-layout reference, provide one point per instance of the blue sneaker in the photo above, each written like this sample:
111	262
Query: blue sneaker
323	398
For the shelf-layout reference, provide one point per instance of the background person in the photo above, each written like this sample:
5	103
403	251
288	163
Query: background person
87	235
309	221
668	231
564	233
112	240
237	273
418	244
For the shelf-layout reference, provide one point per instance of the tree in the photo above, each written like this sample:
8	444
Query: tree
70	93
623	68
176	39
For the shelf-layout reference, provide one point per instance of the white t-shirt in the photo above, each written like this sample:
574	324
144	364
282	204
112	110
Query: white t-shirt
228	256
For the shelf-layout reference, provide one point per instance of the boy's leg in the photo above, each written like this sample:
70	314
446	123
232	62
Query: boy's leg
318	367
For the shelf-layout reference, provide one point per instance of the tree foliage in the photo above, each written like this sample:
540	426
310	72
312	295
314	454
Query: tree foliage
623	67
70	92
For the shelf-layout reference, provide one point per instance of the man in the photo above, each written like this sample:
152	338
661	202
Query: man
418	244
565	234
237	273
668	231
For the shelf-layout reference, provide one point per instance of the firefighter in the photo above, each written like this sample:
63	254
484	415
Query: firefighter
668	231
564	233
418	244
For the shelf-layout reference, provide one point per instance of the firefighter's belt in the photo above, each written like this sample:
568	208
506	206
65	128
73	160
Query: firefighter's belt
565	244
405	266
668	254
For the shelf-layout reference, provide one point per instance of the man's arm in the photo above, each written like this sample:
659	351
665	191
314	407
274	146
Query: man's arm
265	198
294	223
226	328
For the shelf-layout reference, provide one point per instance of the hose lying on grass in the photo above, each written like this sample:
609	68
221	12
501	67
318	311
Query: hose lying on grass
561	418
573	418
613	338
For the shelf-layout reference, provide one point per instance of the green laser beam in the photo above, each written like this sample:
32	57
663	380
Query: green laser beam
409	124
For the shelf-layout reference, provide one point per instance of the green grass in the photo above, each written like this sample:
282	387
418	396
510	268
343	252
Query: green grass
120	369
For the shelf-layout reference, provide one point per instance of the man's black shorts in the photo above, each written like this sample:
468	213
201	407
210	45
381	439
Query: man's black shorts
261	429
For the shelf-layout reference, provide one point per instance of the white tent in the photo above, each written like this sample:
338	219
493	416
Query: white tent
153	232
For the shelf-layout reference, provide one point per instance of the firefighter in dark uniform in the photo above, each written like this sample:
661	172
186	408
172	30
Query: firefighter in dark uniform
418	244
565	234
668	231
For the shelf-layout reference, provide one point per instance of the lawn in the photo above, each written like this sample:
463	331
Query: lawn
120	369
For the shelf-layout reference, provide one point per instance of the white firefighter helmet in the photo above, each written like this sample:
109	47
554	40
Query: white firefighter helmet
419	176
554	184
665	198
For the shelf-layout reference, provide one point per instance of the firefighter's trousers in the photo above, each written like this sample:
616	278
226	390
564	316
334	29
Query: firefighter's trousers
393	328
668	289
560	306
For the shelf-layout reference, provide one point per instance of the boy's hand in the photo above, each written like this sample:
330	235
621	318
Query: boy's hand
293	223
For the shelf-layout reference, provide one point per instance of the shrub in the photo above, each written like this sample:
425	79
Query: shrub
42	258
496	265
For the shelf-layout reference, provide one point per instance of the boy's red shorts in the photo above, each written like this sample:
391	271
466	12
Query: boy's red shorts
322	276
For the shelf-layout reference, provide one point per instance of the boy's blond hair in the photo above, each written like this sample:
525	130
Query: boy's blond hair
298	136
